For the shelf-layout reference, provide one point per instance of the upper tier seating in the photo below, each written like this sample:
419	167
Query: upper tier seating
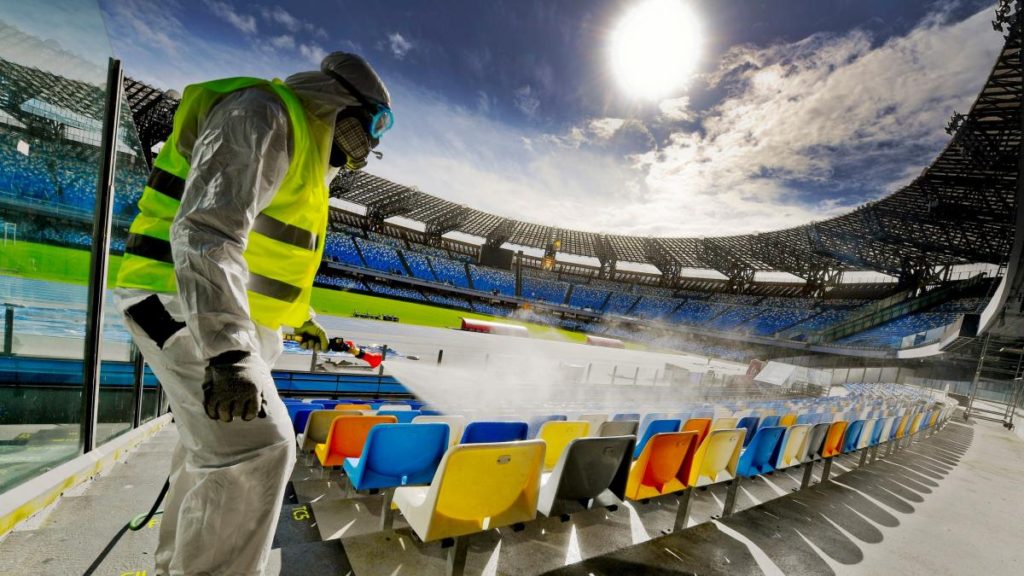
492	280
588	297
545	290
450	272
380	257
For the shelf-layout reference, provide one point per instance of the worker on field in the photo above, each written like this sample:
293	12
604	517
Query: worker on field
223	253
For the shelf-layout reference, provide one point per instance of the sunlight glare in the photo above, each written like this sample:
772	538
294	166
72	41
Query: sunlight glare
655	48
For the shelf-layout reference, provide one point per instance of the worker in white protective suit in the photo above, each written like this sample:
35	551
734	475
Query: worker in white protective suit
223	253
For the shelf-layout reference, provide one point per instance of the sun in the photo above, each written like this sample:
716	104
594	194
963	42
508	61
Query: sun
655	48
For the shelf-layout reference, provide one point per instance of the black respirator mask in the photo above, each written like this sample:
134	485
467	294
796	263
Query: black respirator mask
352	144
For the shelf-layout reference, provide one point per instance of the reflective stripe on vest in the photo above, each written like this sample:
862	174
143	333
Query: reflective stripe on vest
285	243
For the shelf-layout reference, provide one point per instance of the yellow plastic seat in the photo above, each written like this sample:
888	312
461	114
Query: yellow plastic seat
788	420
916	422
934	418
317	428
794	446
717	458
902	428
557	435
724	423
353	407
476	487
834	439
663	466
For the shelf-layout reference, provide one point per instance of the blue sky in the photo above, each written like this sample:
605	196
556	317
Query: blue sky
798	110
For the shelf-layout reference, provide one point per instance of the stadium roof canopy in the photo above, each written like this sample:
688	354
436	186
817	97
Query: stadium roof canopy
960	210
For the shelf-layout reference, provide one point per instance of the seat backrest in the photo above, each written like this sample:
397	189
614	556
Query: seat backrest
724	423
482	486
660	467
655	427
353	407
489	432
865	435
534	424
717	457
762	453
625	416
648	418
852	437
587	468
403	416
770	421
294	408
595	421
816	441
400	455
301	417
748	423
899	426
699	425
915	424
455	425
834	439
348	434
794	445
556	435
318	426
617	428
394	407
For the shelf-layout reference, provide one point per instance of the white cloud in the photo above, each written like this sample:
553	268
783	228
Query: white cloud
282	17
398	45
525	100
676	109
284	42
225	11
312	52
605	128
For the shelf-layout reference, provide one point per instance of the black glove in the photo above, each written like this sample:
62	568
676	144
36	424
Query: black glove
234	385
314	337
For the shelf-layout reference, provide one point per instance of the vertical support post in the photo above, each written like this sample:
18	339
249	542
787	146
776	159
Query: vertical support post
636	376
826	469
440	356
8	330
102	216
586	380
312	362
977	377
808	474
683	512
457	556
138	366
863	457
615	370
380	370
730	497
387	515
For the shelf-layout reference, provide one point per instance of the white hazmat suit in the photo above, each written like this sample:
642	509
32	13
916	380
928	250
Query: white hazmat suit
227	478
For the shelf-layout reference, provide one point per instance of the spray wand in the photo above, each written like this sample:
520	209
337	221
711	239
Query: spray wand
339	345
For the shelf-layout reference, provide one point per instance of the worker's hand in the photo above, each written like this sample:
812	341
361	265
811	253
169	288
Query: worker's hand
233	386
314	337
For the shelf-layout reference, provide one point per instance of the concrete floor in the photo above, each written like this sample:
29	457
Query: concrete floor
949	504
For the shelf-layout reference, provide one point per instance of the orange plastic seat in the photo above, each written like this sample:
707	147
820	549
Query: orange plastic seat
834	439
699	425
663	466
353	407
347	437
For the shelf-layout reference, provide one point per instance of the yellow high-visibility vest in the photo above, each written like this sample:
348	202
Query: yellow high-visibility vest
286	242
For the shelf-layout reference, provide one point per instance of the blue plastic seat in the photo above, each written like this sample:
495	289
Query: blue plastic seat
852	436
762	452
876	433
398	455
748	423
655	427
769	421
485	432
403	416
534	425
625	416
301	417
806	419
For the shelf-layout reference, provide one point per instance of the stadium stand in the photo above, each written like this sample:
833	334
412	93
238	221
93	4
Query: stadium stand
450	272
492	280
419	265
341	248
544	290
380	256
588	298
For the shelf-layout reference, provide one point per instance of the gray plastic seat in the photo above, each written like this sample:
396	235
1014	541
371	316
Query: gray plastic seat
591	472
618	428
815	441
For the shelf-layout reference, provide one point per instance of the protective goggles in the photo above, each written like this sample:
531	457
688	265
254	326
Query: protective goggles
381	118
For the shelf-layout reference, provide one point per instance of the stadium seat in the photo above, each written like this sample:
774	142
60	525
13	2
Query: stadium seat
402	416
354	407
717	457
301	417
851	440
662	467
591	472
294	407
534	424
394	407
770	421
455	425
318	425
489	432
617	428
759	457
724	423
748	423
794	446
655	427
595	421
625	416
833	446
557	435
477	487
788	419
699	425
815	448
397	455
346	438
